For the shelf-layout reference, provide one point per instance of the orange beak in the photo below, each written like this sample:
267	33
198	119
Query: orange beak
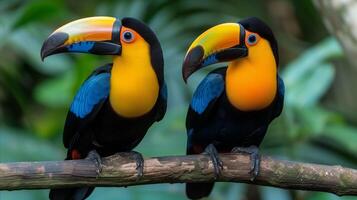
95	35
220	43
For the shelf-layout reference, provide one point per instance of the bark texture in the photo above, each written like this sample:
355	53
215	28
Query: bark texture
120	170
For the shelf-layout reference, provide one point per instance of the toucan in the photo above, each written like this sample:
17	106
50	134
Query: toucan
116	105
232	107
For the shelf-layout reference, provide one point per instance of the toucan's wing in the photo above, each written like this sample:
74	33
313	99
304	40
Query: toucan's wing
162	102
86	104
280	98
203	101
206	94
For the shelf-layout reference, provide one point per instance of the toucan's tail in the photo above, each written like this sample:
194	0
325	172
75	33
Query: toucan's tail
198	190
70	193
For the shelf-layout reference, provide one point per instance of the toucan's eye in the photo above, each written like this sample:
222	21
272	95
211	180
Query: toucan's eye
128	36
252	39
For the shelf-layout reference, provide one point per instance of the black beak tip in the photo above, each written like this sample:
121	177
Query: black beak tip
43	54
184	76
187	70
53	42
192	62
44	50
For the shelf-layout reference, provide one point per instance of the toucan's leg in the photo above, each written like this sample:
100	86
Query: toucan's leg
139	163
253	151
217	162
95	157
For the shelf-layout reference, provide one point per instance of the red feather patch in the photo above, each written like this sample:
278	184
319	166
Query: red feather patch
75	155
197	149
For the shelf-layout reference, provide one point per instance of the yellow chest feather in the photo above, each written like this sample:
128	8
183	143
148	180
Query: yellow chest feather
134	86
251	86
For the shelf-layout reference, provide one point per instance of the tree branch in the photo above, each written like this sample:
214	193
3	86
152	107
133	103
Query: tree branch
340	19
120	170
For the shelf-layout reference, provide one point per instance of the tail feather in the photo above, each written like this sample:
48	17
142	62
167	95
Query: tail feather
198	190
70	193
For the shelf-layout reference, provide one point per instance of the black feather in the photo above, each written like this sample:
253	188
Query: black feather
226	127
254	24
70	193
198	190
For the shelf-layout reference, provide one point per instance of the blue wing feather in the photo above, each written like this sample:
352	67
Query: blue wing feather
189	140
280	97
281	87
163	91
209	89
92	92
162	102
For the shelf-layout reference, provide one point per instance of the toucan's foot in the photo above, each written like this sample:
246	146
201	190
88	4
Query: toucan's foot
253	151
217	162
95	157
139	163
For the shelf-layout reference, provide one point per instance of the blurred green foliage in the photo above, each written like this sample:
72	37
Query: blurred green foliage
35	95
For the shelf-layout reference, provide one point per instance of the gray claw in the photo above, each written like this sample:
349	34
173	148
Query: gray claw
139	164
217	162
253	151
95	157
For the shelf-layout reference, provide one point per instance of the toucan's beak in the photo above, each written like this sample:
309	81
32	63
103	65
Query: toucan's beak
96	35
220	43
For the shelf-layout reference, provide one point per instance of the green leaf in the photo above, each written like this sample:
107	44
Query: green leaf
314	120
145	192
327	196
169	134
308	77
24	194
55	92
311	58
18	145
27	45
343	136
6	4
306	151
228	191
38	11
311	87
271	193
48	122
